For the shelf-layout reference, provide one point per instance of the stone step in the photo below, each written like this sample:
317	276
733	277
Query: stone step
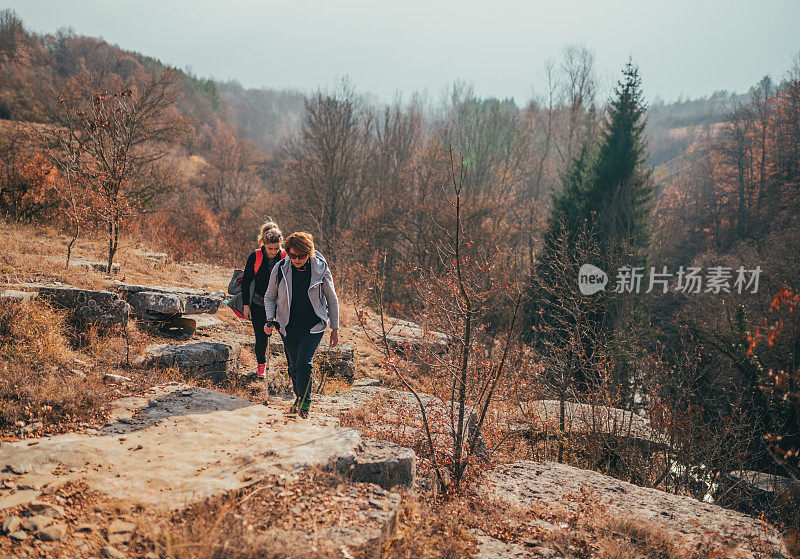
380	462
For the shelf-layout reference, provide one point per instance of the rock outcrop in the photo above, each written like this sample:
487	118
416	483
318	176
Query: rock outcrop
215	361
22	296
541	418
692	522
163	309
183	444
407	338
167	300
86	307
382	463
750	491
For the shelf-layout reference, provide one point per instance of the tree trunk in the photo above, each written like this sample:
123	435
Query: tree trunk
113	239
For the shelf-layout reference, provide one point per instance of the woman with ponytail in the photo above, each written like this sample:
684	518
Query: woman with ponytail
258	269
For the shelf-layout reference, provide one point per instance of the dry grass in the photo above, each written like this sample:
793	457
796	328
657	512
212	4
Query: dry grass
34	253
279	516
36	383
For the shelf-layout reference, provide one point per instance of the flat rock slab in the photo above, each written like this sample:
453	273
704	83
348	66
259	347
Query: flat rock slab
407	337
208	322
23	296
214	360
544	416
167	300
95	265
86	306
16	498
686	519
183	453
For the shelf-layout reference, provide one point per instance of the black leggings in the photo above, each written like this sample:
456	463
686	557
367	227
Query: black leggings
259	318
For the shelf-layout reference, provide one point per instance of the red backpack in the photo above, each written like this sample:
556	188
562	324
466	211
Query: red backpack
235	285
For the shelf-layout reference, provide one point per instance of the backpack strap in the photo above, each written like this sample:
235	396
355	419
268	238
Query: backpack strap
259	259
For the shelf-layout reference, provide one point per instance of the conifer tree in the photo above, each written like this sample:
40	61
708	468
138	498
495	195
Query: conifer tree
619	190
607	194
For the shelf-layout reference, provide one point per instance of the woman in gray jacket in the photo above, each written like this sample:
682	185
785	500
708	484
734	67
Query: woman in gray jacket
301	300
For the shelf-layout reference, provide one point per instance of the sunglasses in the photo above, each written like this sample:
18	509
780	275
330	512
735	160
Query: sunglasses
272	239
294	256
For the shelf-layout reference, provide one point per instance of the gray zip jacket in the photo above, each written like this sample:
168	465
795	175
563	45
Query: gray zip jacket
321	293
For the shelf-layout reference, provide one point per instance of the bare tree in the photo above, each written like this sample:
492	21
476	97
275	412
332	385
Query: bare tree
230	181
737	147
111	136
325	163
577	108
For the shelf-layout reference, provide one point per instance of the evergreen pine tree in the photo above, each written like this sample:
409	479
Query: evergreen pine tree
618	192
607	194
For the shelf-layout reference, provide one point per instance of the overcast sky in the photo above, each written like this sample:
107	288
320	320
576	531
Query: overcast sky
682	47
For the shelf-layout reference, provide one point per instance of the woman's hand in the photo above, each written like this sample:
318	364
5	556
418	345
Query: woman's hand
334	338
246	312
268	329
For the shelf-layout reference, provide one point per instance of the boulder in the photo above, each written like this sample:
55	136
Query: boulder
216	361
52	533
86	307
46	509
11	524
120	531
36	523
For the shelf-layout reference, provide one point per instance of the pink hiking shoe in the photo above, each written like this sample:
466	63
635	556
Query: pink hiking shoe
262	370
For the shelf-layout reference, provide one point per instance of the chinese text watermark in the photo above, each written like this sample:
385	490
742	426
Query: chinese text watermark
692	279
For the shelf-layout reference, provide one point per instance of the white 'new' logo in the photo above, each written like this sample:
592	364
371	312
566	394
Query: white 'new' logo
591	279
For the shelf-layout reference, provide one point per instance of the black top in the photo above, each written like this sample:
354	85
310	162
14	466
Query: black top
301	314
261	278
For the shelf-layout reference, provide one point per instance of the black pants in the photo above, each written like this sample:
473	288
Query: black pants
300	348
259	317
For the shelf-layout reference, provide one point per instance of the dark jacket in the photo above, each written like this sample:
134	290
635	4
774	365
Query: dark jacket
261	278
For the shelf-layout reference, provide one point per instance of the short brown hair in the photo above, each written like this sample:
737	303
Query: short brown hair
302	243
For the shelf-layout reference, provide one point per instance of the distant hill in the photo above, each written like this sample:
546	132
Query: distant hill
673	127
32	66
